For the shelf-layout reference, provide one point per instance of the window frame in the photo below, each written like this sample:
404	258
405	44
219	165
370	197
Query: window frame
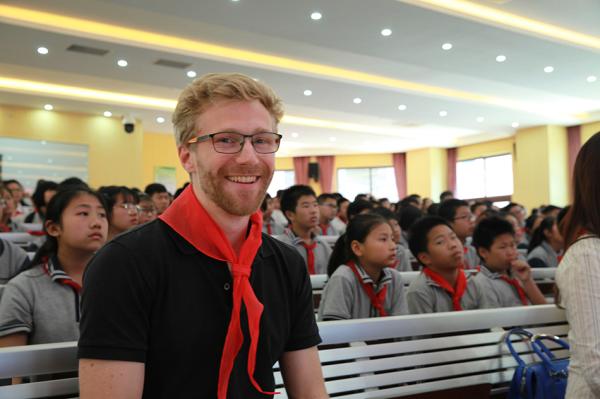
496	198
370	169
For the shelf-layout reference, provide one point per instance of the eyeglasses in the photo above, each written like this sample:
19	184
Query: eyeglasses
233	142
146	210
130	208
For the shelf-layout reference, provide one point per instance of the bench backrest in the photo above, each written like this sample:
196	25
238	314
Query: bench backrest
368	358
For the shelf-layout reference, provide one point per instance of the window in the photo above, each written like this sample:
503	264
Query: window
490	177
381	182
282	179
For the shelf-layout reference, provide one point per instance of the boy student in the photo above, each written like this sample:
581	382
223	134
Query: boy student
300	206
159	195
341	219
503	280
459	216
270	226
442	286
327	212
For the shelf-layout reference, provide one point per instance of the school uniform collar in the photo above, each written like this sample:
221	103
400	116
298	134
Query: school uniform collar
385	279
58	275
295	239
429	281
493	275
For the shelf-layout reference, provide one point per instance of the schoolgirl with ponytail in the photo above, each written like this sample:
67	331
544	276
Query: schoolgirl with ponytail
41	304
362	283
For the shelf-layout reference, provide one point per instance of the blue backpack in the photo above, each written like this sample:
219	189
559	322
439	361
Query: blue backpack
542	380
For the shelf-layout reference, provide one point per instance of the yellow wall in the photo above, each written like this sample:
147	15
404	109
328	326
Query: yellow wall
426	172
487	149
160	150
112	154
588	130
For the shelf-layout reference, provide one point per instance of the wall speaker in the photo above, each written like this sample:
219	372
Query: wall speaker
313	171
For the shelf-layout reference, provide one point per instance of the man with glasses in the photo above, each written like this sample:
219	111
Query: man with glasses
199	303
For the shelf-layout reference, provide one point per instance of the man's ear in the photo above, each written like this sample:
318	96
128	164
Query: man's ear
424	258
52	228
186	158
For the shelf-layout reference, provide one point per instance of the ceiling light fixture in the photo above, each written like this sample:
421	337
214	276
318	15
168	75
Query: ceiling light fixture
402	107
122	63
357	100
295	135
108	114
501	58
480	119
308	93
386	32
591	79
332	139
447	46
315	16
160	119
549	69
48	107
191	74
443	113
515	124
42	50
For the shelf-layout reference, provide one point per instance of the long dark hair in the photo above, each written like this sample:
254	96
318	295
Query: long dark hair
358	229
111	195
54	211
584	213
538	236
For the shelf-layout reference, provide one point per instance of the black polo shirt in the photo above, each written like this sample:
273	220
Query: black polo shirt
149	296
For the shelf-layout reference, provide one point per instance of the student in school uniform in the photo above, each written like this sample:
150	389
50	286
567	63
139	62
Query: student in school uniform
442	285
146	210
458	214
278	215
159	195
503	279
43	193
362	283
403	262
122	209
13	259
23	208
41	304
327	211
270	226
300	206
341	219
8	205
546	245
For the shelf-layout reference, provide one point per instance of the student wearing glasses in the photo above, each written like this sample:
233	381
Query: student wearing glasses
458	214
146	210
201	303
327	212
122	209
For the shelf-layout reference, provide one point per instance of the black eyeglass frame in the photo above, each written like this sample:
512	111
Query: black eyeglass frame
211	136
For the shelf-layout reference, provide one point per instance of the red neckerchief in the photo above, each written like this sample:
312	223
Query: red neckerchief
456	292
60	276
515	283
269	230
324	228
377	299
310	255
191	221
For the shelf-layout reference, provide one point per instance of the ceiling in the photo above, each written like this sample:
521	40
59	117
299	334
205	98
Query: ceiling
338	58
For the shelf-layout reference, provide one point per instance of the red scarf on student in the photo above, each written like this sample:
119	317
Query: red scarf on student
515	283
456	292
310	255
324	228
377	299
191	221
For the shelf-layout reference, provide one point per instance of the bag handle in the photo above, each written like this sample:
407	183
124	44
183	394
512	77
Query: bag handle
522	333
546	354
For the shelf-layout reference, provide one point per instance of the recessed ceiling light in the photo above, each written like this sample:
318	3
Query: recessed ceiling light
501	58
315	16
308	92
235	1
549	69
191	74
42	50
386	32
443	113
48	107
160	119
295	135
447	46
122	63
515	124
402	107
108	114
357	100
591	79
480	119
332	139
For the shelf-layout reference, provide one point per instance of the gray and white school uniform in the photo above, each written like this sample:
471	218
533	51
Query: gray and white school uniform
12	260
425	296
403	261
279	217
543	256
471	259
338	225
491	291
38	302
322	250
272	227
345	298
329	230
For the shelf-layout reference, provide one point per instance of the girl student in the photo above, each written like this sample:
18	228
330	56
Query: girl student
546	245
41	304
122	206
362	284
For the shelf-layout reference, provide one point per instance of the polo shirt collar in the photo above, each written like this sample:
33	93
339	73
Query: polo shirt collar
493	275
386	278
58	275
294	238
